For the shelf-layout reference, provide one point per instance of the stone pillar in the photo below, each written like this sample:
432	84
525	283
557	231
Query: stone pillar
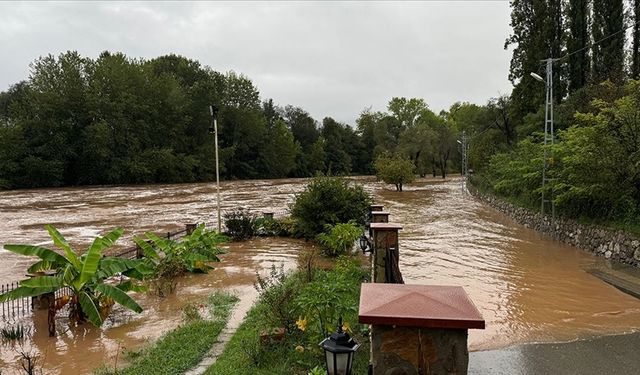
418	329
375	207
385	238
379	217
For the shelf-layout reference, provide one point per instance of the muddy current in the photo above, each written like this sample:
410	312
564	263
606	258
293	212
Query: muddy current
528	287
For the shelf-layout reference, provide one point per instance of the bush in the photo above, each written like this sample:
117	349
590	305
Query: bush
240	224
329	200
395	170
340	238
277	291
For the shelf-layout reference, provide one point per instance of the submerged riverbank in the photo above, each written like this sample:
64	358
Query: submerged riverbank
528	286
616	245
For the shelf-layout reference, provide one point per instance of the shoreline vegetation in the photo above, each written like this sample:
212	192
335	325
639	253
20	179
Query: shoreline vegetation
296	302
183	347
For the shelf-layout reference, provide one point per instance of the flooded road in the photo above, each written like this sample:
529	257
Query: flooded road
528	287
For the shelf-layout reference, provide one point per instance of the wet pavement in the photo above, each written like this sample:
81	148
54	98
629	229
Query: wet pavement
606	355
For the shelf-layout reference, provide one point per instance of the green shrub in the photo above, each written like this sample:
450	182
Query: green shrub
329	200
277	292
269	227
331	295
298	352
340	238
240	224
168	259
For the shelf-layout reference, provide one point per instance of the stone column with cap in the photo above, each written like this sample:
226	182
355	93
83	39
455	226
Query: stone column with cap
379	217
385	243
418	329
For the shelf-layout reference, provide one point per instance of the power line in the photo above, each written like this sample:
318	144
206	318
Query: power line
599	41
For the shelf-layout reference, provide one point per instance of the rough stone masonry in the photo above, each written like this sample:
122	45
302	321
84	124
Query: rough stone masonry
608	243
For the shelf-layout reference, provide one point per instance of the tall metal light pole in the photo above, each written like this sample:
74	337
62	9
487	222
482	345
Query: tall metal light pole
464	146
214	112
548	132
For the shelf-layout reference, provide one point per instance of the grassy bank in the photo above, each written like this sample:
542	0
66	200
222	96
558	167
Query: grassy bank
184	347
308	305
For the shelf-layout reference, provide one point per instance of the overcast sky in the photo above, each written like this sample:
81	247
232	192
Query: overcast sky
331	58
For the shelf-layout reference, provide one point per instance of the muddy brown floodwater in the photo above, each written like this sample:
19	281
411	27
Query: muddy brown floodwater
528	287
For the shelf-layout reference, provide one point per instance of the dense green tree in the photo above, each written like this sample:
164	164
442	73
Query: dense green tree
280	151
395	169
635	53
338	160
609	41
537	35
579	61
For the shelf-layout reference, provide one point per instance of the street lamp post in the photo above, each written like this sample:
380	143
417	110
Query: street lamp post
464	148
548	131
214	112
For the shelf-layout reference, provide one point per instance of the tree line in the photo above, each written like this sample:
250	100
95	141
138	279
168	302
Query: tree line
121	120
593	167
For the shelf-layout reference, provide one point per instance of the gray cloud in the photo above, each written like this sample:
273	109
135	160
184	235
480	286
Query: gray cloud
331	58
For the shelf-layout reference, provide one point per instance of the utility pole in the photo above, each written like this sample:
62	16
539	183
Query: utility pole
548	138
464	146
214	129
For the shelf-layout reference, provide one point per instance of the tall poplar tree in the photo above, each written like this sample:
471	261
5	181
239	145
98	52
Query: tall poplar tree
578	18
537	35
608	48
635	53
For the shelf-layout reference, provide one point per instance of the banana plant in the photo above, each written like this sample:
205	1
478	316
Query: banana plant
85	275
192	253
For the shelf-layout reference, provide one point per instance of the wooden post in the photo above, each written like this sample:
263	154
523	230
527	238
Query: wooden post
385	238
190	228
139	252
51	315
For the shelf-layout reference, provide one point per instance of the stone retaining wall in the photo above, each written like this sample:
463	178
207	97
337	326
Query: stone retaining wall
611	244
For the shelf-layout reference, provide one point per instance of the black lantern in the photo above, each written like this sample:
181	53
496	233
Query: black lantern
364	244
339	350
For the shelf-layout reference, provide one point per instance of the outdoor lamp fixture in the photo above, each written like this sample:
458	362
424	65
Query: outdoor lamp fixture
339	350
364	244
536	77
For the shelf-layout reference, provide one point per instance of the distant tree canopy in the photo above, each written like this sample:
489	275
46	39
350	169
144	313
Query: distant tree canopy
120	120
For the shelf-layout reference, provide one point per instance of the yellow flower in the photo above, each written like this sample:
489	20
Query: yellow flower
346	327
301	323
300	349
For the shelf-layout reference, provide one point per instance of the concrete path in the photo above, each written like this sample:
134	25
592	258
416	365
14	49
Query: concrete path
237	316
607	355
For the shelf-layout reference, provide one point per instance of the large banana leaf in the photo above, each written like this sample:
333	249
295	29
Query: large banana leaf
130	286
23	292
40	252
90	309
110	238
112	266
147	249
119	296
163	244
41	265
90	262
50	282
62	243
